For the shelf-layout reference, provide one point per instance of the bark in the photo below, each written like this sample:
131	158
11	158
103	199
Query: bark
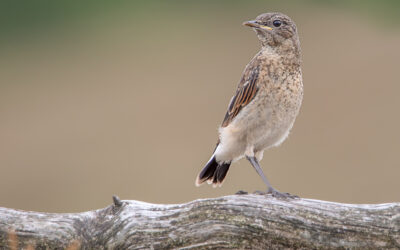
237	221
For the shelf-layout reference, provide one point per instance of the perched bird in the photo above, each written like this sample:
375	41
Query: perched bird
266	103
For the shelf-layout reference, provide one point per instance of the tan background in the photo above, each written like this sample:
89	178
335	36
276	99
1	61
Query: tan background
126	99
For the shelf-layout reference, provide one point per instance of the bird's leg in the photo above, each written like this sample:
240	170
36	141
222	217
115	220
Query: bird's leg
257	167
254	162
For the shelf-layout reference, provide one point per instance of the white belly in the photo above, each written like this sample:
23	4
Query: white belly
252	132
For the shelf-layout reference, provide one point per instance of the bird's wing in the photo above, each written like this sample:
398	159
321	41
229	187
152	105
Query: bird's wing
245	92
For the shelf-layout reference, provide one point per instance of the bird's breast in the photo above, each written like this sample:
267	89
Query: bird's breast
277	107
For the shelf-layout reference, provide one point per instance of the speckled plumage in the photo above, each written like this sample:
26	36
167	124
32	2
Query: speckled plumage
267	100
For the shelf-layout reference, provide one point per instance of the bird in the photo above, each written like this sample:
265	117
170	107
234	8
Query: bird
267	101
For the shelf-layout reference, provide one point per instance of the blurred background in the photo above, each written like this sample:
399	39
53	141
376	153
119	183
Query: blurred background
125	97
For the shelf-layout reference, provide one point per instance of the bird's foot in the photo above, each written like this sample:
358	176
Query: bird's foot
275	193
241	192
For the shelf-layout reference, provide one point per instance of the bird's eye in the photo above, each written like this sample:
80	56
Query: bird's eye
277	23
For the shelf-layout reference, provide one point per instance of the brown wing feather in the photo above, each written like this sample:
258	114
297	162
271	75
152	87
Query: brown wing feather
245	93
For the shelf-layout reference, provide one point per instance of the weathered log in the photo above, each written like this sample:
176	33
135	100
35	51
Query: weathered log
237	221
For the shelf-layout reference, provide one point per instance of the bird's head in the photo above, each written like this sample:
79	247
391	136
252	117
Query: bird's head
275	30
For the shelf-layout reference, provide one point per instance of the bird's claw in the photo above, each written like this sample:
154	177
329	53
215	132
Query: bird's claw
275	193
241	192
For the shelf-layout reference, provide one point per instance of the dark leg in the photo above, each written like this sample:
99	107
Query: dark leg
270	190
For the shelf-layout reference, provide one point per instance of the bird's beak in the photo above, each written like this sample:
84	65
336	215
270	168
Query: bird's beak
256	25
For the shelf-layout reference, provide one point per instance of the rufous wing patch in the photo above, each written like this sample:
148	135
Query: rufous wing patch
245	93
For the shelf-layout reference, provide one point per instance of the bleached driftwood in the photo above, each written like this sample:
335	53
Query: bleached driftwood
237	221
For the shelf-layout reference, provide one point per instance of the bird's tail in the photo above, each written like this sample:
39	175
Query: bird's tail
213	172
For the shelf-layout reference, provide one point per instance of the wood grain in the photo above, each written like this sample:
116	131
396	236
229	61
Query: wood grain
237	221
